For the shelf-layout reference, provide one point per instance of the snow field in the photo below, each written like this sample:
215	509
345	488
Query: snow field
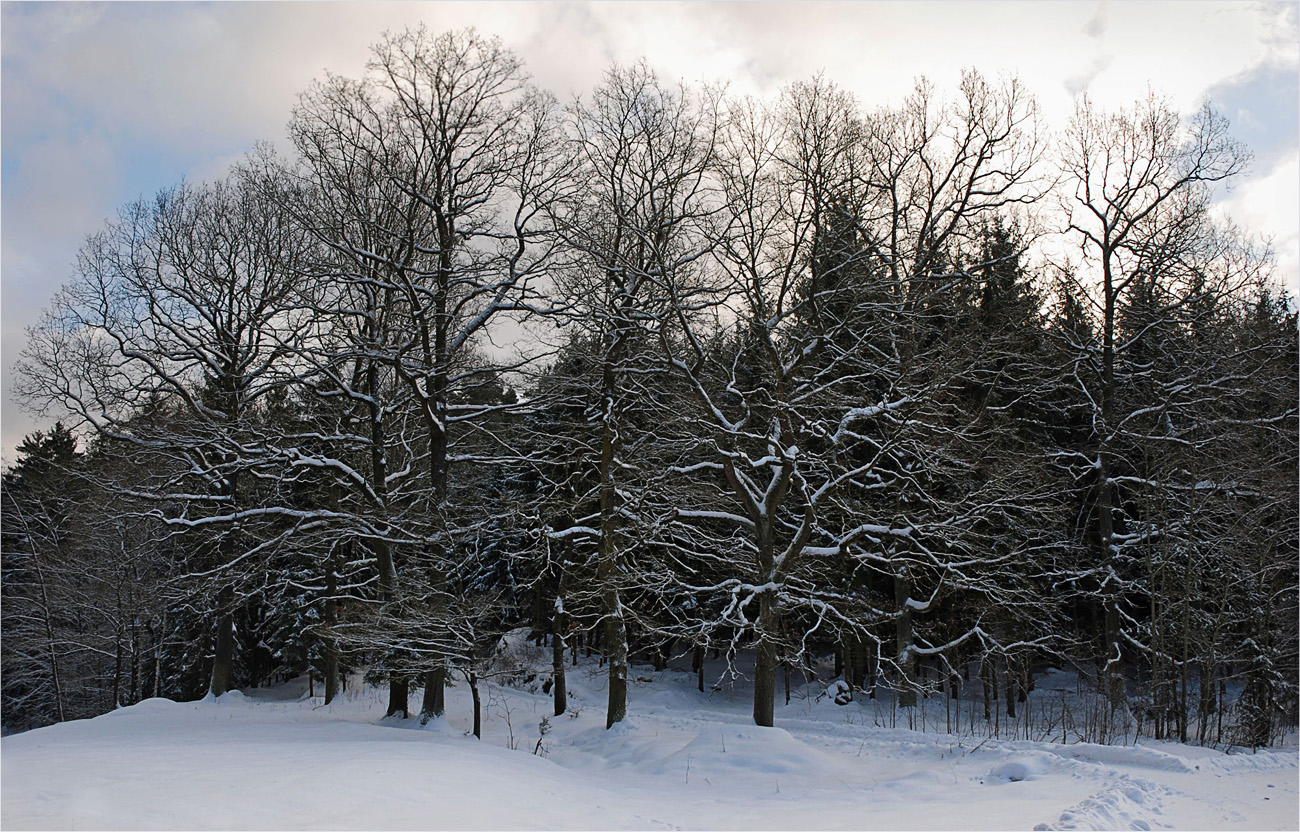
276	758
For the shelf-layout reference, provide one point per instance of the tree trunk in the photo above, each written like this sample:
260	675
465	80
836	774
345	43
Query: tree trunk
559	690
1205	689
119	651
329	646
616	647
432	395
379	481
331	672
1112	667
661	657
873	669
135	660
225	646
1187	657
398	694
986	683
384	563
765	662
223	660
1011	687
478	706
433	703
903	639
607	555
860	663
157	656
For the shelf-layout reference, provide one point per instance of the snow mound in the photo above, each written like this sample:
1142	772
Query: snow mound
720	753
230	697
1237	763
839	692
741	750
1128	805
1128	755
152	706
1016	770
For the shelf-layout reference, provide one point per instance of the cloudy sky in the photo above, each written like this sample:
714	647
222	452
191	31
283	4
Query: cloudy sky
103	103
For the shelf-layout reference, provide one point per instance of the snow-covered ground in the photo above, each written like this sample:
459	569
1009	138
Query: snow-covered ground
278	759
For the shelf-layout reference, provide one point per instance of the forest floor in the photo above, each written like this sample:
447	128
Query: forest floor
277	758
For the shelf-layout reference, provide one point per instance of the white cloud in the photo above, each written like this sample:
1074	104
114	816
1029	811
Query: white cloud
1180	49
1270	206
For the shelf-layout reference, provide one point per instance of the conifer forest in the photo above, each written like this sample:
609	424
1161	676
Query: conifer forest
915	395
